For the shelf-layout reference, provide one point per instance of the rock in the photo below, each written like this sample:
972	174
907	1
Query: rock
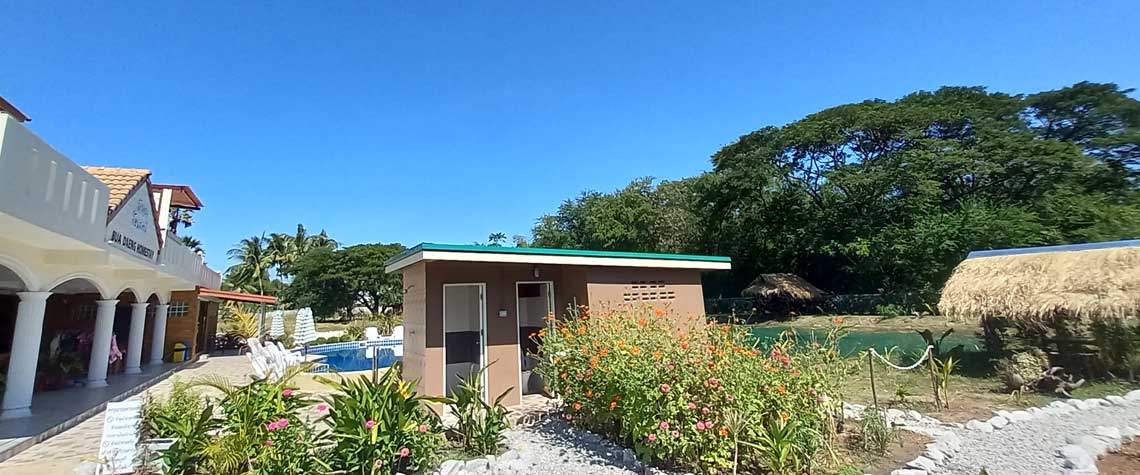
922	463
628	456
1116	400
914	415
1110	435
451	467
1077	457
1035	411
1097	402
508	456
1133	396
1020	416
998	422
1130	432
1093	445
980	426
909	471
478	465
1061	407
1002	413
895	415
86	467
934	453
951	441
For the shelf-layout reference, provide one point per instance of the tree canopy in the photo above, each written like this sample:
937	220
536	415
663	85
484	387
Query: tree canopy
888	196
332	281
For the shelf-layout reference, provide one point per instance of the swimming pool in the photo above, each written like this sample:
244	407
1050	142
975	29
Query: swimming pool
356	358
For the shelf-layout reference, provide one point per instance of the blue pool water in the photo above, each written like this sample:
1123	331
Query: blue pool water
356	359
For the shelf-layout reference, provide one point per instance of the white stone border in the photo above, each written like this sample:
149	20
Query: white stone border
1079	454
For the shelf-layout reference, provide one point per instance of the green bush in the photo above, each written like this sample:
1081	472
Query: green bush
381	427
479	425
877	433
668	388
185	416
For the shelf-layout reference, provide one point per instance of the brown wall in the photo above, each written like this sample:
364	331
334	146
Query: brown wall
182	329
416	356
677	291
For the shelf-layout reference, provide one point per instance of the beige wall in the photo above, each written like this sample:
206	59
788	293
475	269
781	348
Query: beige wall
677	291
598	287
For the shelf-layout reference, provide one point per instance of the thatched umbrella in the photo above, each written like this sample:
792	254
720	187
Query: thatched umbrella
785	287
1090	282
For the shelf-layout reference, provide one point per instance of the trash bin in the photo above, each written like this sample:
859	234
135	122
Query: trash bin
180	353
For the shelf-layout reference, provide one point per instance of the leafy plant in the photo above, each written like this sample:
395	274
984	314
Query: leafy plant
354	332
942	370
381	427
185	417
877	433
937	352
902	391
245	321
479	425
779	448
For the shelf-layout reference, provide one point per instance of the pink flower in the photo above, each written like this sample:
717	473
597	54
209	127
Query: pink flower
700	426
708	425
282	423
322	407
651	437
269	443
272	426
568	417
664	388
729	397
404	452
287	392
713	382
378	463
670	366
704	410
369	423
664	425
692	406
423	428
676	434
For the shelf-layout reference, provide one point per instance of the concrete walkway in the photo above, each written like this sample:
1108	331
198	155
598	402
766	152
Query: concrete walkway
59	455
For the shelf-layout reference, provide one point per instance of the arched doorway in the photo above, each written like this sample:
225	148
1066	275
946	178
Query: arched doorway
68	333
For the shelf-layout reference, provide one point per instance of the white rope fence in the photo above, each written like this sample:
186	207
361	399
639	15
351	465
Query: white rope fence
926	354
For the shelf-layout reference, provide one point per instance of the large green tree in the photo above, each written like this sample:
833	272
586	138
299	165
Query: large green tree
335	281
888	195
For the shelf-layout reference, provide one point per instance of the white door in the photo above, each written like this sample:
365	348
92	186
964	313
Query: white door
464	333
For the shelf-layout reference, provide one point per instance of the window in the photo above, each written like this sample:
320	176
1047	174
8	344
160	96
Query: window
178	308
648	291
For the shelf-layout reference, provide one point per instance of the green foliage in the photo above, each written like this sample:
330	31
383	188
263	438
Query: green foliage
936	344
334	281
877	433
353	332
887	196
943	368
479	425
187	417
673	388
902	391
1118	345
381	427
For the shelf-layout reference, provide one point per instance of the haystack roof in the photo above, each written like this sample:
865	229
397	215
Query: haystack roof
784	286
1034	285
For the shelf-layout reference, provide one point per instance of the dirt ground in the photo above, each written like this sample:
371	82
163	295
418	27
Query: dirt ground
851	453
1124	462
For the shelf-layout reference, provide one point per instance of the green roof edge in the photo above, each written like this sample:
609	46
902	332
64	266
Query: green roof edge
542	251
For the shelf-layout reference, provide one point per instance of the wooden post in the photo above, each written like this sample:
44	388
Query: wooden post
871	367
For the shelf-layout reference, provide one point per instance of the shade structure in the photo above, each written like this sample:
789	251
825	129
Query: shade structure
304	331
277	327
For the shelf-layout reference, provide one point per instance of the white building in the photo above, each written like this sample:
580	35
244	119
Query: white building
86	258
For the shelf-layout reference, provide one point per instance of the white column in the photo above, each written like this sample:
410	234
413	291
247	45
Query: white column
21	378
134	344
158	340
101	343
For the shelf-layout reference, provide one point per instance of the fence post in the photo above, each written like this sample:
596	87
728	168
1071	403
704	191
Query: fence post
871	367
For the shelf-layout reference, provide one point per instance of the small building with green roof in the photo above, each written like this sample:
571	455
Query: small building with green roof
467	306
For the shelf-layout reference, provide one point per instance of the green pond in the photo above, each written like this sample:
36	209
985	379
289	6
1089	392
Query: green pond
856	341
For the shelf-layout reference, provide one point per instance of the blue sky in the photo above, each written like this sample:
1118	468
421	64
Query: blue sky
446	121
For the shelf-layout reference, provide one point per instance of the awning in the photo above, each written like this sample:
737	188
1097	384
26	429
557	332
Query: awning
214	294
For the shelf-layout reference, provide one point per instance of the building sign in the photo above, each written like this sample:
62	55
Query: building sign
132	228
119	446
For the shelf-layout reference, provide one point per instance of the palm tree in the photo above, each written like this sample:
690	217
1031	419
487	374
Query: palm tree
192	243
254	261
496	239
285	250
180	216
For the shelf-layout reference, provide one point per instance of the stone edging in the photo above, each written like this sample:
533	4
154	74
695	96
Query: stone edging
1079	454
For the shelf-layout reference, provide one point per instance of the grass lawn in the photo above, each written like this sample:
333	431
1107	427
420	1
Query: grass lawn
872	323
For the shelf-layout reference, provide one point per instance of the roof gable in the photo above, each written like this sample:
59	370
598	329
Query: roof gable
119	181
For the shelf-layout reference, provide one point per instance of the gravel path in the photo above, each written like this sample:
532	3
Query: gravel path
1030	447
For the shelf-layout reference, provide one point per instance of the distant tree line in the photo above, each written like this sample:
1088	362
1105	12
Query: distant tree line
884	196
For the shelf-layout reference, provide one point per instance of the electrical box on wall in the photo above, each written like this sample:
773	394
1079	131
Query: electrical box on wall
502	313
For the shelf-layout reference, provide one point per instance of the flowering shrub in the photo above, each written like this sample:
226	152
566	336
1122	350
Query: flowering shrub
381	427
684	393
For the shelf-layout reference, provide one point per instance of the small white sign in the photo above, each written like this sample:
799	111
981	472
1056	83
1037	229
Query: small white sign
120	441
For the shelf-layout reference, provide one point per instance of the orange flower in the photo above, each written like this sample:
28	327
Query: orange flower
783	416
581	330
642	322
837	320
604	351
684	345
594	362
621	344
723	432
681	335
781	389
635	351
577	406
564	375
613	404
590	393
656	355
659	312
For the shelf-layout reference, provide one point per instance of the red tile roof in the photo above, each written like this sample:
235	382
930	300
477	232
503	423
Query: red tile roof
120	181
